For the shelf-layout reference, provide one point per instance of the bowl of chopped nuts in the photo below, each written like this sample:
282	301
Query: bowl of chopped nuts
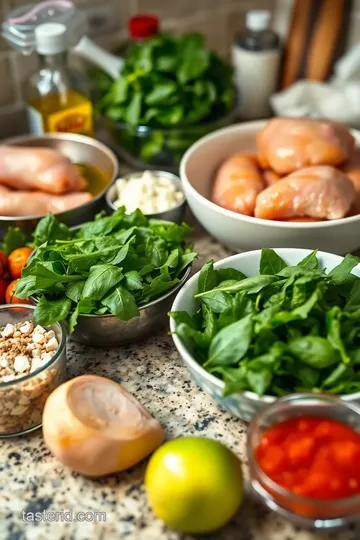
32	365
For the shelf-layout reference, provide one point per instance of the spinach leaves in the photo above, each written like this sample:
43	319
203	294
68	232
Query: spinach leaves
167	81
171	82
290	328
114	264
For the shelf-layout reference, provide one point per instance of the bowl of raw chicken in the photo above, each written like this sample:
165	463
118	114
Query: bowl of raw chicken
63	174
285	182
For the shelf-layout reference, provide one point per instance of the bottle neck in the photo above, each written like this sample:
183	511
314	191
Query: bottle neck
53	61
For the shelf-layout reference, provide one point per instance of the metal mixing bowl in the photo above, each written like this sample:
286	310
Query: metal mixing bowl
79	149
175	214
107	330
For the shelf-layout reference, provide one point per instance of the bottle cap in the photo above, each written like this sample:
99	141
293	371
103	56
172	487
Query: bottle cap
143	26
50	38
258	19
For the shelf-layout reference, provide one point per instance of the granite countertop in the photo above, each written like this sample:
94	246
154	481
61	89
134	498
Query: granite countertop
33	481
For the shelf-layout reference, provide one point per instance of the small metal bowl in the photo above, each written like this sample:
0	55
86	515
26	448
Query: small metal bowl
22	399
175	214
109	331
79	149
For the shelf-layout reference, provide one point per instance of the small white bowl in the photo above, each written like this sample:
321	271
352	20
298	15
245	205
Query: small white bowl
243	233
243	405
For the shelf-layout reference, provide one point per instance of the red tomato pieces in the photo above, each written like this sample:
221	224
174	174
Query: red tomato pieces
312	456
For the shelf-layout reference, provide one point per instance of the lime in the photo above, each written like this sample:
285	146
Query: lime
194	485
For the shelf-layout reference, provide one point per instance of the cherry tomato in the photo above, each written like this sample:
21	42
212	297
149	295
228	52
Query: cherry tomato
3	263
3	286
17	261
10	292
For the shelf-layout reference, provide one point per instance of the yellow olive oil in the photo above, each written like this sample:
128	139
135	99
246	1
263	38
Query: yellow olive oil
69	112
98	180
58	97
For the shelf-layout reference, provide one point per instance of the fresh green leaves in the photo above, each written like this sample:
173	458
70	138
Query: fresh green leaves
121	303
101	280
166	82
288	329
13	239
114	264
231	343
271	263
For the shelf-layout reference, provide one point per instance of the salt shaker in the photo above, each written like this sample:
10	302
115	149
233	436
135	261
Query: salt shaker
256	56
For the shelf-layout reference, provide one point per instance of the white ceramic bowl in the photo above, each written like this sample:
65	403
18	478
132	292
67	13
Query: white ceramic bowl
245	404
243	233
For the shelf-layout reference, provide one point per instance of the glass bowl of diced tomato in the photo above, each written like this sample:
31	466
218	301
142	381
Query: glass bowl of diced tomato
304	459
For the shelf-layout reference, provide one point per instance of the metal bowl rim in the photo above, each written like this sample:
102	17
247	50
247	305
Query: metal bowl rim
156	172
68	137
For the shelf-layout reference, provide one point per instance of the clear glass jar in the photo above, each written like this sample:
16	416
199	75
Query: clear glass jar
22	400
303	511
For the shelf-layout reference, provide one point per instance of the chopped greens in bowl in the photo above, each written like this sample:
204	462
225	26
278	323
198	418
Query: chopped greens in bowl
272	323
113	265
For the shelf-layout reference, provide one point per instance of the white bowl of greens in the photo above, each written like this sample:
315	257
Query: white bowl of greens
262	324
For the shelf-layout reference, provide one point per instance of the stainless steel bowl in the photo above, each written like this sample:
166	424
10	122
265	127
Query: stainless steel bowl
175	214
108	331
79	149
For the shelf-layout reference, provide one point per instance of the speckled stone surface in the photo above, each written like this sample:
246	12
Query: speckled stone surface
32	480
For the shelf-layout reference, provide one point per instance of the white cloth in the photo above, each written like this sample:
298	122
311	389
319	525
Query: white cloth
338	99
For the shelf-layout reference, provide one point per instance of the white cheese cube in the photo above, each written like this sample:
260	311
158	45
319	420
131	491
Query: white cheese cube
52	344
8	331
21	363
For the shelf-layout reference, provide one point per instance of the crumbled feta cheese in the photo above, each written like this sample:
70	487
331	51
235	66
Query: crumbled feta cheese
21	363
151	194
26	327
4	361
38	338
39	330
52	344
8	331
24	349
50	334
46	356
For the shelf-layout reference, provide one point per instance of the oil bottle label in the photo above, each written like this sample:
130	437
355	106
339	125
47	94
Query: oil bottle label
76	119
35	121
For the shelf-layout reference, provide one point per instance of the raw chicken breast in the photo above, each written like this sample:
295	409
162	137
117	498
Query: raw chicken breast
270	177
288	144
40	169
237	184
36	203
317	192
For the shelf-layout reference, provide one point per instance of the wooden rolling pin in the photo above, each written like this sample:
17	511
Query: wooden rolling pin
324	40
296	42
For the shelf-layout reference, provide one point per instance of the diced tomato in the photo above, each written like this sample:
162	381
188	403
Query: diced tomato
300	452
275	460
311	456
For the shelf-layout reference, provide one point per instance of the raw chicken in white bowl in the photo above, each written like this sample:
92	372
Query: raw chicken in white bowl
333	229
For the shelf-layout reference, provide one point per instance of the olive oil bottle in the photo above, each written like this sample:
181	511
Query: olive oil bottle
57	96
